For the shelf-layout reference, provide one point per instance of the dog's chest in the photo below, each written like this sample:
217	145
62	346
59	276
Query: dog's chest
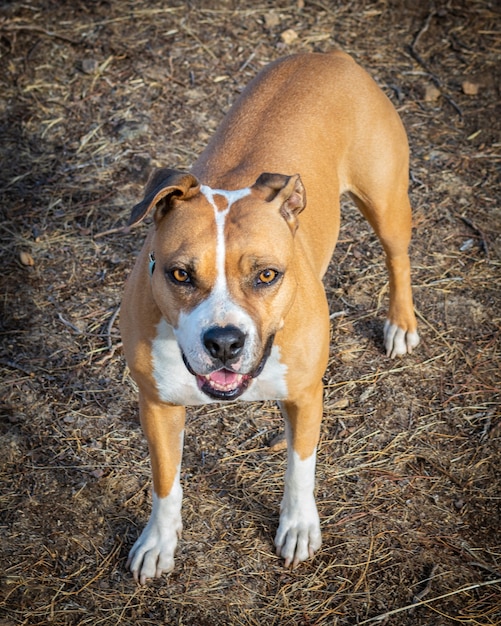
176	385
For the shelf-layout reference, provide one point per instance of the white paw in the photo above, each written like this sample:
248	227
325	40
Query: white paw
153	553
298	536
398	341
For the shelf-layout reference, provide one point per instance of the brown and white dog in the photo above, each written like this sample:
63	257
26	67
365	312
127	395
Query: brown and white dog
226	298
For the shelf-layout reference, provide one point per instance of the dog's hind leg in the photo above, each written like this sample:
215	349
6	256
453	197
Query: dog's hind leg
391	220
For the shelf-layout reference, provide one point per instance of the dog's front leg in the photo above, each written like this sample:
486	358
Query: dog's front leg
153	553
298	536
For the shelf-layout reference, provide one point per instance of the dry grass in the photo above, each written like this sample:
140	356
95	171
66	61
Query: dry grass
92	96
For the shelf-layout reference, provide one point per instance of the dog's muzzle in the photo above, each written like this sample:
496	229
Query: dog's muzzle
225	345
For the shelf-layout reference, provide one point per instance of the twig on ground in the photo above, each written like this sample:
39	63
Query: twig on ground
427	588
12	28
408	607
69	324
477	231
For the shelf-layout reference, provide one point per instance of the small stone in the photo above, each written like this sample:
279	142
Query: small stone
289	36
89	66
271	20
466	245
432	93
342	403
470	88
26	259
367	393
129	130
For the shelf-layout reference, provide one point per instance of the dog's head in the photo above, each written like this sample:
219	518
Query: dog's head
222	271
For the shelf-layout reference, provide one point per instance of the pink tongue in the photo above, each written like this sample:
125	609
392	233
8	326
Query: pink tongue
223	377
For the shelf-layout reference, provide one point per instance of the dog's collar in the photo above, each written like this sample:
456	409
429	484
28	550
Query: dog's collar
151	264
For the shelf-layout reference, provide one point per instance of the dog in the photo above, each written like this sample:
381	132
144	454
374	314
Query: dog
226	299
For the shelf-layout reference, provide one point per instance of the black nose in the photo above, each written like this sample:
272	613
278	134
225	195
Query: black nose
224	343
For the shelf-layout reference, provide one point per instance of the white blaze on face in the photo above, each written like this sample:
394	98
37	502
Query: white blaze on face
220	217
218	309
220	289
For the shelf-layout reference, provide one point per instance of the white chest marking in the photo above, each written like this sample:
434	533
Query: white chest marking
177	386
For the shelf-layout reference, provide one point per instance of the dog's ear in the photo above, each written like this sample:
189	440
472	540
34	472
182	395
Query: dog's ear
286	190
162	186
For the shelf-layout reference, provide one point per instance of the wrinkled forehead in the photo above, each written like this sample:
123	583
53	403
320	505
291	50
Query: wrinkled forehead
234	219
222	200
243	215
202	214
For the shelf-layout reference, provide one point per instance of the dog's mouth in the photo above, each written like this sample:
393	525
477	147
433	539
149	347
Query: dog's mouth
223	384
226	384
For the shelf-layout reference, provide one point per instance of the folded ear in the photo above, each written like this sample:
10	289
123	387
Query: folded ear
162	186
286	190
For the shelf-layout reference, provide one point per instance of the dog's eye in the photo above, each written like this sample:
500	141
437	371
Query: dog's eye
267	277
179	275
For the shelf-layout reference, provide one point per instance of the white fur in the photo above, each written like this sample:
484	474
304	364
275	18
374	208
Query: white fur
216	310
271	384
176	385
298	535
220	216
174	382
397	341
153	553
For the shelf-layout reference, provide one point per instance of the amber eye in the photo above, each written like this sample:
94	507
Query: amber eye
267	277
179	275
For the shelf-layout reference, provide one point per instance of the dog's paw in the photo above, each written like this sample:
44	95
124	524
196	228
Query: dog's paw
398	341
298	536
153	553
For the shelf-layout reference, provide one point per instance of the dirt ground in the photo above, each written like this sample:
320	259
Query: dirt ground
96	93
